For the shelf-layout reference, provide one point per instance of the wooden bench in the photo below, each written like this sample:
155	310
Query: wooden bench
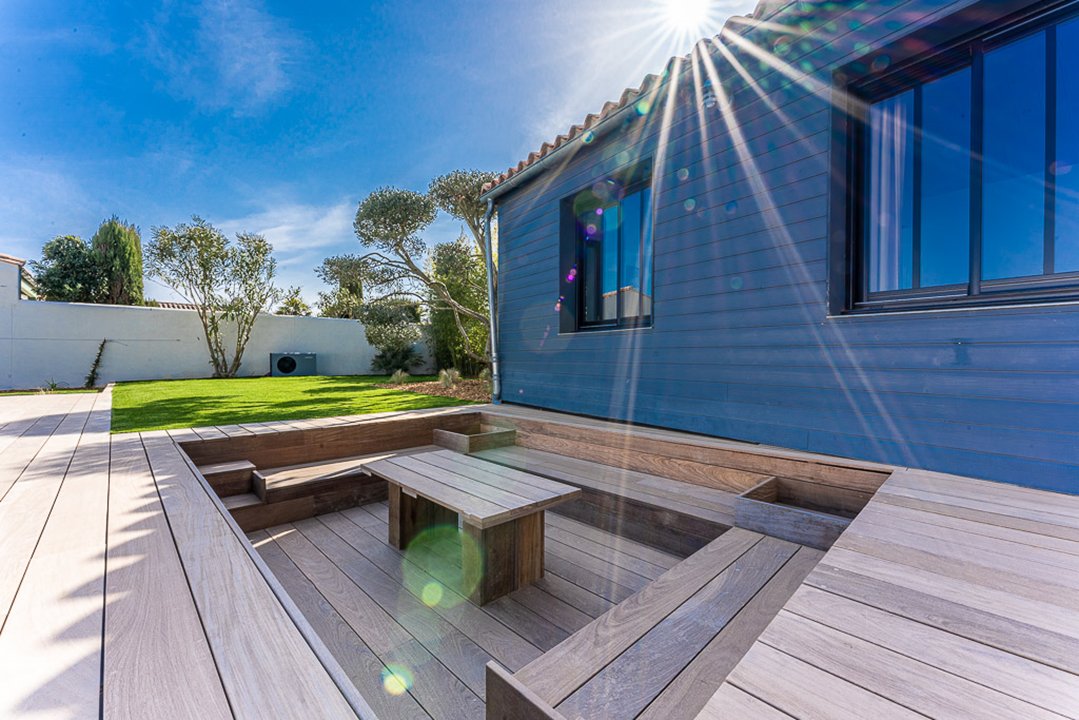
263	498
501	510
679	517
664	651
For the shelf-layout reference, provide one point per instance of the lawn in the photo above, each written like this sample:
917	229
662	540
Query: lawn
166	404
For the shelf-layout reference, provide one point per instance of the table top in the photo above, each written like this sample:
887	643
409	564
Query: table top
482	493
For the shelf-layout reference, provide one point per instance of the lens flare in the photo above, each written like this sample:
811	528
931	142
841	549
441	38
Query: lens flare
431	594
396	679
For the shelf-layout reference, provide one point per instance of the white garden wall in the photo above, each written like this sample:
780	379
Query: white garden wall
43	341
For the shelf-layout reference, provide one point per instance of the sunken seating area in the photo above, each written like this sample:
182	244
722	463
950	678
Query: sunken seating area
669	557
665	651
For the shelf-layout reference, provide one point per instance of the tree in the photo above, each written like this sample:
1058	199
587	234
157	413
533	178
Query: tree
461	268
458	194
390	222
345	274
68	271
118	249
294	304
226	281
392	327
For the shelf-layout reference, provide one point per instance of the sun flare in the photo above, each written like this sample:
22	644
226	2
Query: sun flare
686	16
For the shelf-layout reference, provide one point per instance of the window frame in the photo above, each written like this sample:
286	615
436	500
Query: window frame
635	178
857	87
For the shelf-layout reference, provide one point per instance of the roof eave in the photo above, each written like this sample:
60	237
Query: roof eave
599	130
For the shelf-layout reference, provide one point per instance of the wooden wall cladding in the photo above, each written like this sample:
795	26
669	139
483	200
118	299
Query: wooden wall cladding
703	461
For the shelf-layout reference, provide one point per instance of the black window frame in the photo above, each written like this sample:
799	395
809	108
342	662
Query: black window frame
633	178
996	24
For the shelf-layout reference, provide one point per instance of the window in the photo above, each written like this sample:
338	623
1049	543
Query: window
966	170
607	253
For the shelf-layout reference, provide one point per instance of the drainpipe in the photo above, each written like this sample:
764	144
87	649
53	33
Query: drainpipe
496	378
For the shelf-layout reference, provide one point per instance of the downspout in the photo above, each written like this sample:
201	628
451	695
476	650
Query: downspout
492	310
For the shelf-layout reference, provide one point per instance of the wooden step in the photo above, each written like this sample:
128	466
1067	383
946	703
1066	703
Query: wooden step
229	478
295	481
239	502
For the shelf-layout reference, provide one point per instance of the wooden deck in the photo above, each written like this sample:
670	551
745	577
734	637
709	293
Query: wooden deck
946	598
373	604
126	590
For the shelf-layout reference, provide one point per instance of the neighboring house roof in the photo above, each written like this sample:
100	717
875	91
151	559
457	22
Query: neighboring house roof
764	9
168	305
27	284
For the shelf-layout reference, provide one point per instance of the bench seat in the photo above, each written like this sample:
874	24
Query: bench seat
295	492
677	516
664	651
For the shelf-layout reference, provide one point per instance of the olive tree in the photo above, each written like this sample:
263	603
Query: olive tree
346	275
390	224
228	282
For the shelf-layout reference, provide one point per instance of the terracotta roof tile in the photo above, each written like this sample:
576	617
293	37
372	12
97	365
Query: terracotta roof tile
765	8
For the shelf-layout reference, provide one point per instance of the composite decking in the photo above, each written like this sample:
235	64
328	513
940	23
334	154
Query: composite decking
946	598
367	600
127	591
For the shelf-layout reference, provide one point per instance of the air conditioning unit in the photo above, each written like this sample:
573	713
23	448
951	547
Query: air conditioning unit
289	364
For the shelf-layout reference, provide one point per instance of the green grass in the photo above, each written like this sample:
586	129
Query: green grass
167	404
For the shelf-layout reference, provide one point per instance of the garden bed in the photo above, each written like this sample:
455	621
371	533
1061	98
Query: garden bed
470	390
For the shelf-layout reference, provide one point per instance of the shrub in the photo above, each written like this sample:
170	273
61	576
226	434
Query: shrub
399	377
449	377
393	358
50	386
485	375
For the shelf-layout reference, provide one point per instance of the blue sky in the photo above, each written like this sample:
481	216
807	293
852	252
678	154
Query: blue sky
278	117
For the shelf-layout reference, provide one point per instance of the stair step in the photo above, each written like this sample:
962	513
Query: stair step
286	483
229	478
235	502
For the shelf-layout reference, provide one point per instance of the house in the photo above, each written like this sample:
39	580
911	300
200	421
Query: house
27	284
848	228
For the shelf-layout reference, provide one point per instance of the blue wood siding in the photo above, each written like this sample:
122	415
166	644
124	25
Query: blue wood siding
742	344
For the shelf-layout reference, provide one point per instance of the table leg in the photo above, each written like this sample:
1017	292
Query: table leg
530	548
409	516
503	558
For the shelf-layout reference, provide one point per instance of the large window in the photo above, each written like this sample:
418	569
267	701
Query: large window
609	273
967	169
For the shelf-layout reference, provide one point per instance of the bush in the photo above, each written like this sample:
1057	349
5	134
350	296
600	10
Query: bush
391	359
449	378
399	377
485	375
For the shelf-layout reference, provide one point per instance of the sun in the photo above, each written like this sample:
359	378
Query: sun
686	16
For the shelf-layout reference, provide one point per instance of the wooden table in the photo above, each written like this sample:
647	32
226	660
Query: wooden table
501	511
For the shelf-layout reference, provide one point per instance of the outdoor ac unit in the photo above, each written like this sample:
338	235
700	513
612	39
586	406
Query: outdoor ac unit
282	364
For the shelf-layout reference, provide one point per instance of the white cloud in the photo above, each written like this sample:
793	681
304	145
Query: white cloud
302	236
238	56
295	227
